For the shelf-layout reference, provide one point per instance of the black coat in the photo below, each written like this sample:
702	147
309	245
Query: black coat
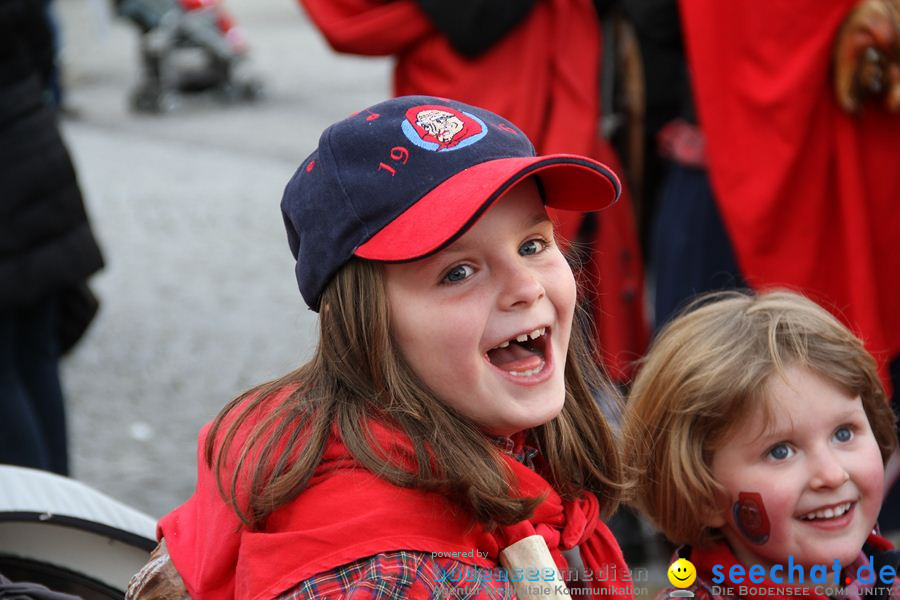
46	243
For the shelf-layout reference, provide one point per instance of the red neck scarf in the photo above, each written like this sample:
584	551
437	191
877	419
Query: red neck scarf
706	558
348	513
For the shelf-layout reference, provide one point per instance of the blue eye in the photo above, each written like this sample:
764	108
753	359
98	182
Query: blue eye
458	273
843	434
532	247
781	452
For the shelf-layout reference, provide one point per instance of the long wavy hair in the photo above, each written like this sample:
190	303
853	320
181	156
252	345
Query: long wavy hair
266	444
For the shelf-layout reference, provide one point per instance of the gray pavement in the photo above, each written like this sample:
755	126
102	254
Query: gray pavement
198	298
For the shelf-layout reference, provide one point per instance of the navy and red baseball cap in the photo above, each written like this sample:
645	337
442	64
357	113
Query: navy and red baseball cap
403	179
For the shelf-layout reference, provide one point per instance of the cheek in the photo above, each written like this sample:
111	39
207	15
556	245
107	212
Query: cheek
563	294
439	343
869	477
411	329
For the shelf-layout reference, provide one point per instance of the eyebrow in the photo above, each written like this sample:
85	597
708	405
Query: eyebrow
537	218
774	434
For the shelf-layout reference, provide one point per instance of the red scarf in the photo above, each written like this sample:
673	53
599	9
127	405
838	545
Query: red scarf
346	514
704	559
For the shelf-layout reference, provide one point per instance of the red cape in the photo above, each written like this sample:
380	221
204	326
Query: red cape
810	196
542	76
347	513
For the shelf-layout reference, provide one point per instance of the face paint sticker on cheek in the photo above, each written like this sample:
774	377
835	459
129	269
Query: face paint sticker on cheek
751	518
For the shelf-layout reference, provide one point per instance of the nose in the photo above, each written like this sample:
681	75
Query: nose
520	285
827	470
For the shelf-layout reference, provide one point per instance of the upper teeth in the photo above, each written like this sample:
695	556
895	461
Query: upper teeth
828	513
537	333
525	337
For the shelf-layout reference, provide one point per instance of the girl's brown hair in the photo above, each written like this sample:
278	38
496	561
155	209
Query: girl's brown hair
705	372
357	375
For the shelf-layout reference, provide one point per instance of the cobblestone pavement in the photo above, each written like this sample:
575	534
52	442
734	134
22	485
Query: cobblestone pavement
198	296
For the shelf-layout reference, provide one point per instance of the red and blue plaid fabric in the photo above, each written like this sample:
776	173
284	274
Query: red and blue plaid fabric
518	449
402	574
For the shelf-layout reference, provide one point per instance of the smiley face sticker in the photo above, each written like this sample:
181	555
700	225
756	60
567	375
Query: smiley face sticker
682	573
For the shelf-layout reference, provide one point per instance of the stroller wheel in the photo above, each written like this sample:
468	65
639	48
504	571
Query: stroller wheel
152	100
240	91
251	90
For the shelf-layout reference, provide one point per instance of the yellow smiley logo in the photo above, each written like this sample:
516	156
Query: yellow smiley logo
682	573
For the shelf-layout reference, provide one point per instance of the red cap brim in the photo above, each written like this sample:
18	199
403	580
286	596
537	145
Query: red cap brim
570	183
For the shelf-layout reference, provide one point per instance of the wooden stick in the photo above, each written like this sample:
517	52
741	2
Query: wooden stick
529	556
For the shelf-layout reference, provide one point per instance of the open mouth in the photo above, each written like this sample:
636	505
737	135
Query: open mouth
522	355
832	512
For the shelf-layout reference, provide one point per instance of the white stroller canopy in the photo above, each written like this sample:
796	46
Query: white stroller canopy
59	522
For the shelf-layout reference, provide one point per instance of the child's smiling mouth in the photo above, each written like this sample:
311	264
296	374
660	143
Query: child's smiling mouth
835	516
524	356
827	513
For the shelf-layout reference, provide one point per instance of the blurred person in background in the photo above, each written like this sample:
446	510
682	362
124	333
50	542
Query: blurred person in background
47	249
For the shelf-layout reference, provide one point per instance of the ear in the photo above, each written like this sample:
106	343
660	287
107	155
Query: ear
713	517
715	521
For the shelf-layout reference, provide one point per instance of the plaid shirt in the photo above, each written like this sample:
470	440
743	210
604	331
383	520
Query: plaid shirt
411	574
403	574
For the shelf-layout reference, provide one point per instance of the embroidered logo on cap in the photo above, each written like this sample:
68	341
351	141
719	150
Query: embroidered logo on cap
441	128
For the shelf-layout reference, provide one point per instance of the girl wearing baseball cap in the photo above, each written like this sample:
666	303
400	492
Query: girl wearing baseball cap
448	418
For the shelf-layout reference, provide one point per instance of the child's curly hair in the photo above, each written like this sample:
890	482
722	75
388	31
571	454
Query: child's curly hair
706	371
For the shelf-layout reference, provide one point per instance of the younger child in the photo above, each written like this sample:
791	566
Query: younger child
757	431
448	411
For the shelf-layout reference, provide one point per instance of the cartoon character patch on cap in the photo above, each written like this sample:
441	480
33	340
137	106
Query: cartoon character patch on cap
441	128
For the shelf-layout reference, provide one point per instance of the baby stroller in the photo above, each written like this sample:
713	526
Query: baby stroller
68	537
170	28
